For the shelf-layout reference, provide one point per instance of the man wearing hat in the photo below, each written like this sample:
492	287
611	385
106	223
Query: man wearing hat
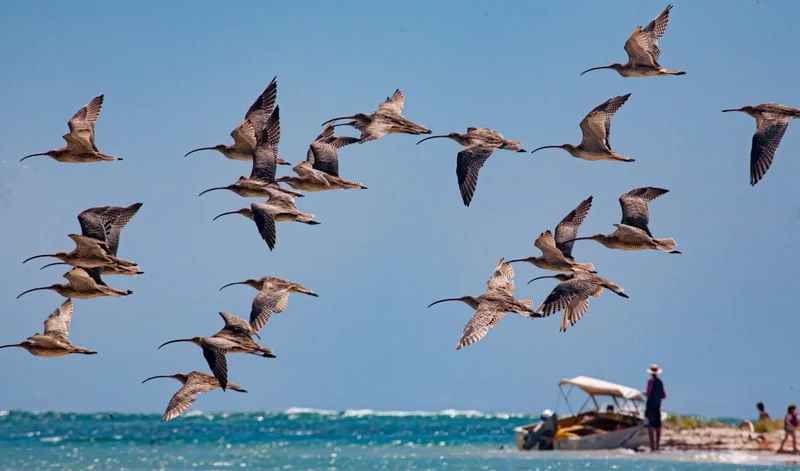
652	412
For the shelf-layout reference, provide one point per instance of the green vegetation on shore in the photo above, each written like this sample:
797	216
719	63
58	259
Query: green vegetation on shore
681	421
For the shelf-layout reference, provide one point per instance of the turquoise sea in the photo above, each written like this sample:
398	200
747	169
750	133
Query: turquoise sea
302	439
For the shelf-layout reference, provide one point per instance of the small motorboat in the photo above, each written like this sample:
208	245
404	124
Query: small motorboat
610	417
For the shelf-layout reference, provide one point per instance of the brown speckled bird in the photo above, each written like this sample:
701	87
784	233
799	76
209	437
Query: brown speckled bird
772	120
492	305
479	144
388	119
643	51
80	146
235	337
55	341
194	383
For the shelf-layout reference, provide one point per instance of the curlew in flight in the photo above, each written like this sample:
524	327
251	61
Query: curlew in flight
98	244
479	144
235	337
194	383
55	341
772	120
320	170
557	252
388	119
278	208
80	146
596	129
632	232
572	295
83	283
246	134
492	305
273	296
643	51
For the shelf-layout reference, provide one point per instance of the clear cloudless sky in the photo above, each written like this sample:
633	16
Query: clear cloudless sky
722	318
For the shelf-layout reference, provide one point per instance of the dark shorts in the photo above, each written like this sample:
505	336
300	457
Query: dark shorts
653	418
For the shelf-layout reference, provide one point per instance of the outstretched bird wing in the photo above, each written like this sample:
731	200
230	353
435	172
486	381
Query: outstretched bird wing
394	103
264	217
184	398
214	350
547	244
105	223
596	126
568	227
766	140
244	136
635	210
478	326
270	299
57	324
642	45
501	279
265	156
322	152
468	164
83	278
235	325
262	108
81	125
575	290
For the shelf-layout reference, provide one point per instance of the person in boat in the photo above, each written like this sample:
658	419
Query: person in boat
543	436
789	426
652	412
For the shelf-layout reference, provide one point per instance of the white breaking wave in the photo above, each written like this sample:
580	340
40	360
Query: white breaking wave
400	413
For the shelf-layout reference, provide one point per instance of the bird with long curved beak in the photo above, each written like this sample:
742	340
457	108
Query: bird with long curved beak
643	51
194	383
772	120
235	337
80	146
479	144
633	231
83	283
491	306
596	128
572	295
388	119
55	340
273	296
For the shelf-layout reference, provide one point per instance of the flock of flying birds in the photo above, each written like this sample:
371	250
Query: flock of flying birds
256	139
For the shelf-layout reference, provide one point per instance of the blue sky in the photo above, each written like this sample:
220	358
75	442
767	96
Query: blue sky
721	318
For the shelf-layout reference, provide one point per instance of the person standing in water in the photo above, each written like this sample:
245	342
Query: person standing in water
652	413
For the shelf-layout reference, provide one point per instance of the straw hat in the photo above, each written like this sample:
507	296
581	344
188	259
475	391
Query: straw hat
655	370
547	413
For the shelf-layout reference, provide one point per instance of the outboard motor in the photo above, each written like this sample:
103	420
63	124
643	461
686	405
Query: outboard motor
541	437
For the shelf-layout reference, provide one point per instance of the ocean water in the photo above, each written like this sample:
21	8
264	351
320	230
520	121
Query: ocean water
301	439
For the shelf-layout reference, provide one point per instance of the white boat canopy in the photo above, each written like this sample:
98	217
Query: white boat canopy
594	386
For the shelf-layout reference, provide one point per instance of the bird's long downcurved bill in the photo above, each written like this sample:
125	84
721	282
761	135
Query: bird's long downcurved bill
337	119
174	341
517	260
212	189
231	284
154	377
38	256
11	345
733	109
596	68
545	147
30	290
52	264
444	300
432	137
578	238
31	155
198	149
225	214
540	277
